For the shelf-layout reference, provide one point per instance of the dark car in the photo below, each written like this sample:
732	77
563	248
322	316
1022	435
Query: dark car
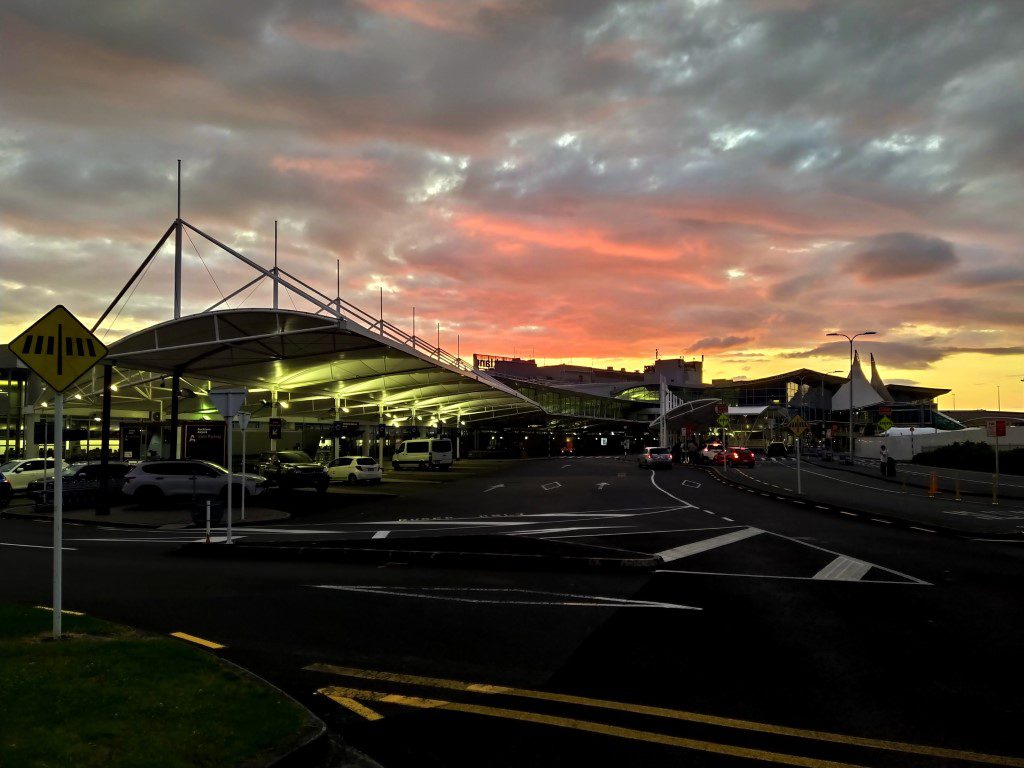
736	455
6	491
776	449
81	483
293	469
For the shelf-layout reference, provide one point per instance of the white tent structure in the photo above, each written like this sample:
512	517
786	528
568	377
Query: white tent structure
864	394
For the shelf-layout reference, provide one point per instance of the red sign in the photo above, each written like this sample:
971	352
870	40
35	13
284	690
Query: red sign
996	427
884	410
721	408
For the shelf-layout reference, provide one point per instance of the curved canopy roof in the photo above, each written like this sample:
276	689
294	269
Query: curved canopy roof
305	357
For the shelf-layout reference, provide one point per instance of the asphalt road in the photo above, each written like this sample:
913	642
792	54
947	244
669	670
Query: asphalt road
773	633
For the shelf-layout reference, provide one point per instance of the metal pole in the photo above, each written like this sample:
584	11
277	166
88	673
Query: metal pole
58	507
244	483
850	457
799	487
177	252
103	506
275	265
231	478
175	396
380	437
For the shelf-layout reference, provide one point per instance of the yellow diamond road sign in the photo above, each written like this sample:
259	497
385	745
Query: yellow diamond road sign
797	425
58	348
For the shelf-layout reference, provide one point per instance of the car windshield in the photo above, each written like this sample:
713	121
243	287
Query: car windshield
295	457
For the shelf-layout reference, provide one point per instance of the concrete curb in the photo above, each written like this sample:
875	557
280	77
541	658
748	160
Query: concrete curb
355	553
817	505
312	746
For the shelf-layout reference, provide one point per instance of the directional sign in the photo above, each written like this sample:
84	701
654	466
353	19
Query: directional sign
58	348
723	421
721	408
797	425
274	427
884	424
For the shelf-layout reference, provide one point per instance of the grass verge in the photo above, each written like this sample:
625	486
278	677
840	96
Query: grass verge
107	695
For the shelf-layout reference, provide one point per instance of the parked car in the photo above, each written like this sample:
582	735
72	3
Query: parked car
81	483
293	469
653	458
707	453
21	472
6	492
736	455
425	453
151	481
355	469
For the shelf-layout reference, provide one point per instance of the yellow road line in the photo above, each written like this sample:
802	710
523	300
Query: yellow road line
586	725
351	704
674	714
198	640
62	610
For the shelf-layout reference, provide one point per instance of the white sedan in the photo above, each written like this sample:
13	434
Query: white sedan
355	469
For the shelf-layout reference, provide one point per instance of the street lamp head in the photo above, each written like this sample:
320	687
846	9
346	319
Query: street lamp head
868	333
833	334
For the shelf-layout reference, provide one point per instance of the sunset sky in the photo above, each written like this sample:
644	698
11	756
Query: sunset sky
560	179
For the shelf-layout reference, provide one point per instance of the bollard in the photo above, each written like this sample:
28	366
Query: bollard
958	487
995	490
933	486
207	521
904	482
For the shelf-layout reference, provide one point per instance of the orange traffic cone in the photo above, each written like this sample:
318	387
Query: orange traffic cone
933	486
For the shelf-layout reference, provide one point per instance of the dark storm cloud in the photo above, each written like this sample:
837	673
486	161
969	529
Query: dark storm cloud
900	255
718	342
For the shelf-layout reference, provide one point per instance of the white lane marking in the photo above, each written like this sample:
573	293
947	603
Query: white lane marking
691	484
880	520
646	532
851	514
728	519
495	487
844	568
790	578
847	482
926	530
838	554
535	531
566	465
602	486
551	486
685	504
380	535
511	596
696	547
36	546
819	506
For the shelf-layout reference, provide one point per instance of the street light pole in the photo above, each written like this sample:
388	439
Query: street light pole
849	457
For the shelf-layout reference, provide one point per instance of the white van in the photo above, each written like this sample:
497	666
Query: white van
425	453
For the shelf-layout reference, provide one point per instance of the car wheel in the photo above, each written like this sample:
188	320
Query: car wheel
321	487
352	479
396	466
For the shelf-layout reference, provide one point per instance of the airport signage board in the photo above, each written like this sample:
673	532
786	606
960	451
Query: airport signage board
995	427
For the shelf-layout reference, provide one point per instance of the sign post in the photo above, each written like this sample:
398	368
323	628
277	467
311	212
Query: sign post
59	349
797	425
228	401
243	423
723	422
996	428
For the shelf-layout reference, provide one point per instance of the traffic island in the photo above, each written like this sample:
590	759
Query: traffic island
506	552
108	695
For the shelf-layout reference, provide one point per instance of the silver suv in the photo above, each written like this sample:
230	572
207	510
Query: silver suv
653	458
150	481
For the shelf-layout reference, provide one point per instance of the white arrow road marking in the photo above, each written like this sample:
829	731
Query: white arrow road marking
494	487
499	596
691	484
551	486
695	548
602	486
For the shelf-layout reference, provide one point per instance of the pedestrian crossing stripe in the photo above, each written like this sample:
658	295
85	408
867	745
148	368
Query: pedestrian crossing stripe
58	348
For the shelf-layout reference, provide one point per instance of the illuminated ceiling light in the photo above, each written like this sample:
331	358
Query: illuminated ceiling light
43	404
78	397
113	387
344	409
96	418
284	404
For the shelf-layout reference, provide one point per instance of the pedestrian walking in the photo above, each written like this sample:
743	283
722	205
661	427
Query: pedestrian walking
883	456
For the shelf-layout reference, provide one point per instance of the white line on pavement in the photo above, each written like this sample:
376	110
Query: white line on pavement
35	546
696	547
789	578
551	486
380	535
686	504
844	568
